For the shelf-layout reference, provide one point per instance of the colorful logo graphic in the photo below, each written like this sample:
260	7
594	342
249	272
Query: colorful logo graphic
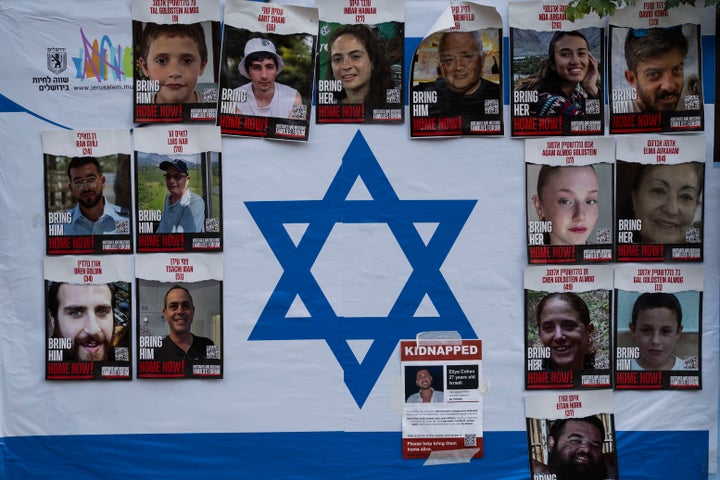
103	60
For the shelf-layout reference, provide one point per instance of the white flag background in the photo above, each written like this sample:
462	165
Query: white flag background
334	250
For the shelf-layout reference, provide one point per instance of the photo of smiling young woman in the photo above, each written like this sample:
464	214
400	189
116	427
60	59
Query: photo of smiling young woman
360	73
557	73
569	205
567	332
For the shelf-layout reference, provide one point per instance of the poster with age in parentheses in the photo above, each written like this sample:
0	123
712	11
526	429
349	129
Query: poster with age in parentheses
571	435
569	199
360	71
442	408
655	69
88	317
658	327
568	327
88	194
457	75
659	205
180	315
178	181
267	67
177	49
557	71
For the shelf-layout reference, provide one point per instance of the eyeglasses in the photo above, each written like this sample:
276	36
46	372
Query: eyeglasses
177	177
90	182
464	58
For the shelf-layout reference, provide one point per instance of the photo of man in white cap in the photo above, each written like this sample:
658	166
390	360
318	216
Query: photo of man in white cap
263	96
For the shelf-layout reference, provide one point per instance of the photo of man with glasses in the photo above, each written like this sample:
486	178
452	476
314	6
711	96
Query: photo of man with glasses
93	214
462	88
183	211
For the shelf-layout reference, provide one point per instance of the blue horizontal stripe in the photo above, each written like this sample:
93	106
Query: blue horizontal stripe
330	455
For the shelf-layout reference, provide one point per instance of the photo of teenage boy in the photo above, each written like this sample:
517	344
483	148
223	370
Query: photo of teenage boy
658	330
656	325
269	75
263	96
175	56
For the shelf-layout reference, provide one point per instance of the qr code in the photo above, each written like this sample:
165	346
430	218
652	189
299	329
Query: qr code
298	112
492	106
691	363
692	102
604	236
121	354
212	225
692	235
592	106
212	352
392	95
602	361
122	226
471	440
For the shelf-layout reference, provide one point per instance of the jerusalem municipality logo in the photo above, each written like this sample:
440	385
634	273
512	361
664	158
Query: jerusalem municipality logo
425	255
56	60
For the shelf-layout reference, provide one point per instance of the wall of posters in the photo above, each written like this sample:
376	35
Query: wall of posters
334	250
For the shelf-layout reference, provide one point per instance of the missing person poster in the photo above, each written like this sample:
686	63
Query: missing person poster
658	327
655	69
569	199
567	326
360	77
177	47
178	181
88	319
180	315
571	435
268	61
442	412
556	70
659	198
88	195
457	75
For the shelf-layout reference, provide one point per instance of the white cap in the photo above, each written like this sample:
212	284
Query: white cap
259	45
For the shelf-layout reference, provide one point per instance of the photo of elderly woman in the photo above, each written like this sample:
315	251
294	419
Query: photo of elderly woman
666	200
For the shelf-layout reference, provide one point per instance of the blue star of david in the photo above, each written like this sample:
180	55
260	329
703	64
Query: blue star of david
297	280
